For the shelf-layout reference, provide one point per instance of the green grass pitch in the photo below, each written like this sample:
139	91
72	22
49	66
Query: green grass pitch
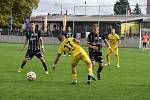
129	82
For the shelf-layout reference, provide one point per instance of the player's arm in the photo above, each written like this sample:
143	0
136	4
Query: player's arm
56	61
119	42
42	44
90	44
24	44
76	41
107	43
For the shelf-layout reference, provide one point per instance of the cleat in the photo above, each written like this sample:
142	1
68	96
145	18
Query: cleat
88	82
19	70
74	82
118	65
91	75
64	55
69	55
46	72
98	76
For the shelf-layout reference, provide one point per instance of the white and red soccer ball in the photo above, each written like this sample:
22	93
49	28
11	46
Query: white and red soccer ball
31	76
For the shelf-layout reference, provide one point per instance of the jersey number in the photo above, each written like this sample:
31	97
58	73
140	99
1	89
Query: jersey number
68	47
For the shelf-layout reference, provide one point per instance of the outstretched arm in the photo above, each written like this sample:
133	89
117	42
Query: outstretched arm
106	43
24	45
41	44
91	46
56	61
119	42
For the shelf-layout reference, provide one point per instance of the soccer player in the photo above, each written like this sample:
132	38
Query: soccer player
35	47
145	40
114	41
95	47
68	34
71	46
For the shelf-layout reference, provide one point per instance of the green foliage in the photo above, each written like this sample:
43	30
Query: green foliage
137	9
19	9
4	21
121	7
129	82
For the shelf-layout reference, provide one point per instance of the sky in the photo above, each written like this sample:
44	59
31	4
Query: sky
54	6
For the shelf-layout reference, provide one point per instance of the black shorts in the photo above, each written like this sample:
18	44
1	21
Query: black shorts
144	44
31	53
96	56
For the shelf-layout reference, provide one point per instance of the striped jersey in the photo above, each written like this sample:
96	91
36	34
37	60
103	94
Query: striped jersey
34	40
95	40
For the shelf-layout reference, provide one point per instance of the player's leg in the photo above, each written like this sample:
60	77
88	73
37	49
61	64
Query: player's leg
64	54
44	64
91	55
87	60
100	68
23	64
144	46
117	56
108	57
98	58
28	56
39	55
74	75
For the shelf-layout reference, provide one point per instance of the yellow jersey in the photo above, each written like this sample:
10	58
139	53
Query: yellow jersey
70	46
113	39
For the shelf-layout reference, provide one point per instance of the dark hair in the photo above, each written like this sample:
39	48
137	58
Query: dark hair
32	22
95	25
113	28
60	37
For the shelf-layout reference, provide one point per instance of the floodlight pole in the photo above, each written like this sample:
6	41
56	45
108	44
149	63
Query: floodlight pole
140	42
126	24
99	16
73	19
85	8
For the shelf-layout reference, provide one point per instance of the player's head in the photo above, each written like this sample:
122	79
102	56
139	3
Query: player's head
113	31
61	38
95	28
68	28
32	25
145	33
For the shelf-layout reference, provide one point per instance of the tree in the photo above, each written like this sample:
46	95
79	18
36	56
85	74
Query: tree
19	9
137	9
121	7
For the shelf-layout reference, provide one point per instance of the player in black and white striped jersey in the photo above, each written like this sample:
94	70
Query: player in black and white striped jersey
35	47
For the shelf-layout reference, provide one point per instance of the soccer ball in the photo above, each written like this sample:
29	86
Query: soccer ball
31	76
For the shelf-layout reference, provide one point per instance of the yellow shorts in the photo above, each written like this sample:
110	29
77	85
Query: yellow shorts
113	50
80	56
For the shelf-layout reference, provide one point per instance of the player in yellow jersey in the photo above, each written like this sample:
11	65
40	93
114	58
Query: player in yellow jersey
71	46
114	41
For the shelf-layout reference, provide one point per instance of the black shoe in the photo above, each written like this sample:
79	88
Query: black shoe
92	76
98	76
89	79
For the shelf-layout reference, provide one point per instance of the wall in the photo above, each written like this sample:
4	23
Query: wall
130	42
